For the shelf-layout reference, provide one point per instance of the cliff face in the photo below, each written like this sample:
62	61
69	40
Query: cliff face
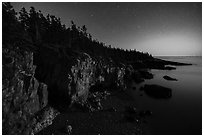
70	75
22	94
59	78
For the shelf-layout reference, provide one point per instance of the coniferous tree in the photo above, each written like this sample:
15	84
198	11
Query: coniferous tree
49	29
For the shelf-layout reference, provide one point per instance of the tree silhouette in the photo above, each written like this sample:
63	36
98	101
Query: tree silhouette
49	29
13	32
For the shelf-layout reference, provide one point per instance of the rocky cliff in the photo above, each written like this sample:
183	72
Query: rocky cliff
70	75
59	78
22	94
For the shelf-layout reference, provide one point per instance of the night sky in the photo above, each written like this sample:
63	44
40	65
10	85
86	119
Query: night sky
157	28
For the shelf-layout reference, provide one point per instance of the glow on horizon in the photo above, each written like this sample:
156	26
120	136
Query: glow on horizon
161	29
174	44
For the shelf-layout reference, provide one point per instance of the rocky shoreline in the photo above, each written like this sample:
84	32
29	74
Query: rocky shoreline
50	71
63	82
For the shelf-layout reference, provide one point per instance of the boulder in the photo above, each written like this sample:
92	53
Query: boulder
169	78
43	119
68	129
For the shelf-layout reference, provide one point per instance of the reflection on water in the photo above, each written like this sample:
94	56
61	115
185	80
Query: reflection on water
181	114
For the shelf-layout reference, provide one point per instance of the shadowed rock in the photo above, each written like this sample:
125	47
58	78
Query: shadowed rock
145	74
23	96
137	77
169	78
157	91
72	75
140	75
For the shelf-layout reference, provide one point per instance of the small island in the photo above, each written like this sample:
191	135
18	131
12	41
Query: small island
169	78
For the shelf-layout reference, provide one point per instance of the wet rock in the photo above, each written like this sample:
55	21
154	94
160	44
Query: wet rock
68	128
93	103
157	91
44	119
169	78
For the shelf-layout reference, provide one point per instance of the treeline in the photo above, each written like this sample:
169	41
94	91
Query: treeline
33	28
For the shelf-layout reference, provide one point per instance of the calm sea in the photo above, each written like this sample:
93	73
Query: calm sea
182	113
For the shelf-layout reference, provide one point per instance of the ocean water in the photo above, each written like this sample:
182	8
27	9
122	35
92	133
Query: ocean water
182	113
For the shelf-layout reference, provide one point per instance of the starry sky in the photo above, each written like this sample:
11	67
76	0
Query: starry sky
162	29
